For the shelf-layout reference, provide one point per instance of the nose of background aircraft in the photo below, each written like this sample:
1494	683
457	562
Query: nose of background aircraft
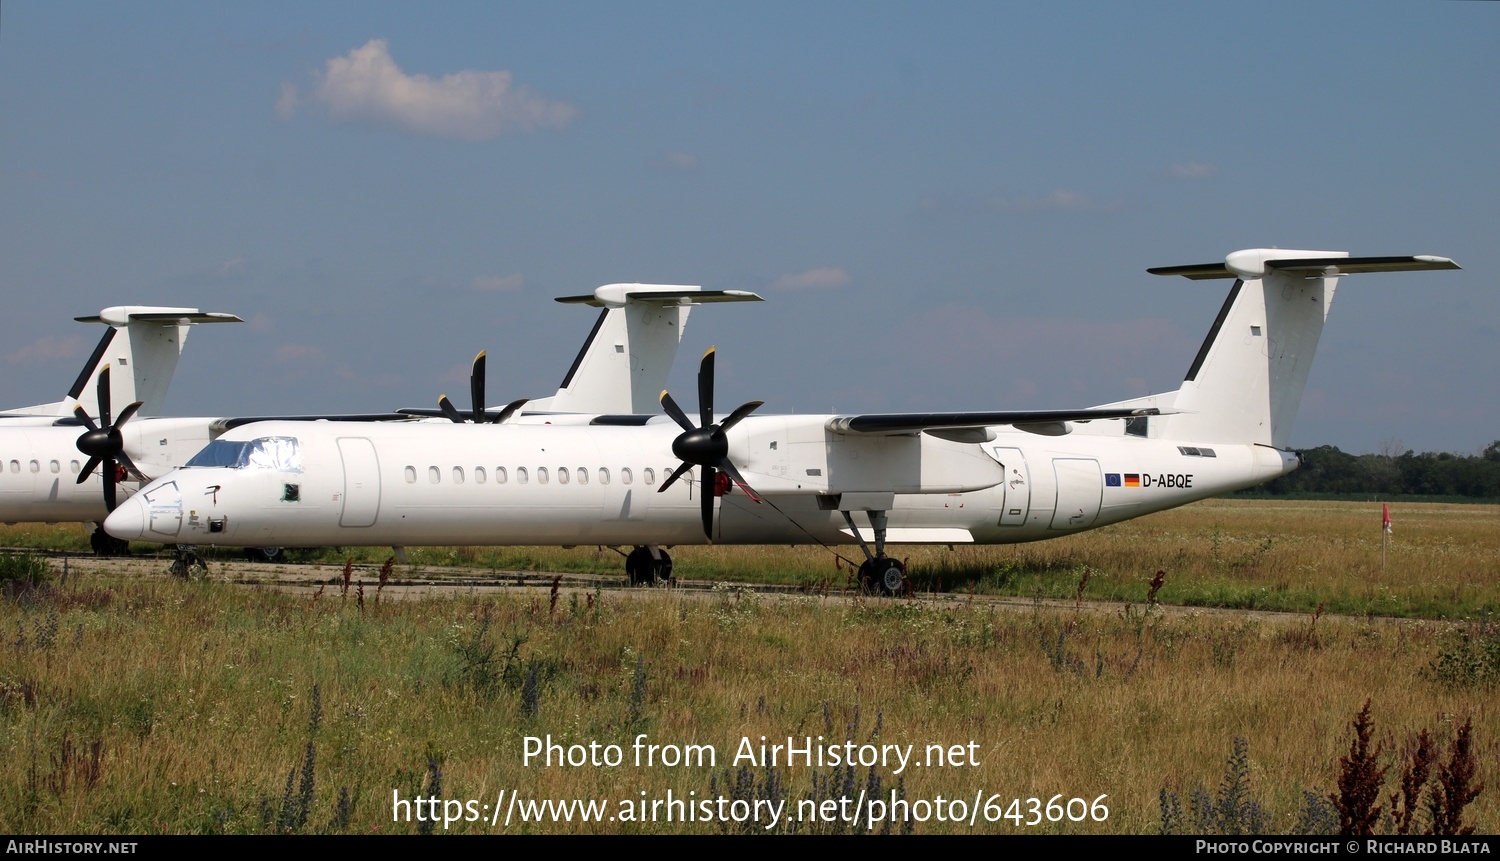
128	521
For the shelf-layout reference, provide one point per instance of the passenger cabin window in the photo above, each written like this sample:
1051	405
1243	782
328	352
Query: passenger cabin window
520	475
500	476
55	467
625	475
479	475
434	475
562	475
650	475
603	475
541	475
411	475
458	475
583	475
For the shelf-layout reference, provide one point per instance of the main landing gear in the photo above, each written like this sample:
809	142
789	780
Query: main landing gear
878	571
648	565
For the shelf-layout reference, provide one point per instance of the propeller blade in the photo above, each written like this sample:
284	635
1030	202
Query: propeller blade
88	469
130	467
706	494
676	474
510	409
83	416
706	389
110	500
671	409
476	387
102	392
126	414
734	476
450	410
743	410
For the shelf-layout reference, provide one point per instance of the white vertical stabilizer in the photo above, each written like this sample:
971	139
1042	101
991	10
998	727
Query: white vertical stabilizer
141	350
1246	383
623	367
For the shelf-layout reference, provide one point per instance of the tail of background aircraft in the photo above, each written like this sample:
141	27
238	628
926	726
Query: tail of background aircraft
624	364
1246	382
141	348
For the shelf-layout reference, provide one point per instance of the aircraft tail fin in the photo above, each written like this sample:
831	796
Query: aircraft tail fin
141	348
1246	382
624	364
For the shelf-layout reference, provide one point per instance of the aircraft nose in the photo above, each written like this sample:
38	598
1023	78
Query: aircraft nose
128	521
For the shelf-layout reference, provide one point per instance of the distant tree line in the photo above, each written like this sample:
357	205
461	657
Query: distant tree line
1327	471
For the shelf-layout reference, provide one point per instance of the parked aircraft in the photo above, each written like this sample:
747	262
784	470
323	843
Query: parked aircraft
650	482
58	463
622	365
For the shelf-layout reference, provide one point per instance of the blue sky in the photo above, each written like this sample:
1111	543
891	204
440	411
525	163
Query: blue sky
947	206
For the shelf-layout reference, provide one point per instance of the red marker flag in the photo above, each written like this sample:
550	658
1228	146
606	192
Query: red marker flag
1385	517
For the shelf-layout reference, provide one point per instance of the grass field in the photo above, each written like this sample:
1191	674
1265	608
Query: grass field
152	705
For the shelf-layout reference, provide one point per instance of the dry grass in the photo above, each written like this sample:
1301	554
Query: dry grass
197	697
159	706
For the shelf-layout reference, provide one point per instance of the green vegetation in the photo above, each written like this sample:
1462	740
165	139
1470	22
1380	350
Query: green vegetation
1435	476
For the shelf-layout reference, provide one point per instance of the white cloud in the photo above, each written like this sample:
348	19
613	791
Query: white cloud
821	277
497	283
47	348
1060	199
234	267
366	86
1193	170
298	354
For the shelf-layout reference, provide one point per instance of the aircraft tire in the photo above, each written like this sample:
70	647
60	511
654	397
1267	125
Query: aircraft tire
638	566
884	574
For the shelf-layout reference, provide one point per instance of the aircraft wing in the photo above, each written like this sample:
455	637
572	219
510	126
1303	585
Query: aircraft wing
903	423
218	426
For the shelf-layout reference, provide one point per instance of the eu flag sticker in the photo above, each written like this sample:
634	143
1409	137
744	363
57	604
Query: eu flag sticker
1111	479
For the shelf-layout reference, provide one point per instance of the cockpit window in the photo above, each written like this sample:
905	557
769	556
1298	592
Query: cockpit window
278	453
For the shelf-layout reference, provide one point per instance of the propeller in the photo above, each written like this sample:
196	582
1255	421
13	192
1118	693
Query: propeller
476	393
707	443
103	443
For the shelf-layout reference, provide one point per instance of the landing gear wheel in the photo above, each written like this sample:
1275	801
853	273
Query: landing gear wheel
663	568
645	571
262	554
639	565
187	564
885	574
104	544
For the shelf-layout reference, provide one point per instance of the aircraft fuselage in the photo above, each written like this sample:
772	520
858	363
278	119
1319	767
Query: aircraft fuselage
350	484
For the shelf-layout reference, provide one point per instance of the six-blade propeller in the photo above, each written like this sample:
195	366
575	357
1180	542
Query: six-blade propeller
476	392
103	443
707	444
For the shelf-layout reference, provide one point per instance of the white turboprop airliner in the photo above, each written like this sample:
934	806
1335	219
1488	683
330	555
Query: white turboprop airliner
57	465
62	461
936	478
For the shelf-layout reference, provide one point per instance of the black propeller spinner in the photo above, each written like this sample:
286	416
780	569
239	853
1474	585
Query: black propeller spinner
476	392
706	445
104	444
